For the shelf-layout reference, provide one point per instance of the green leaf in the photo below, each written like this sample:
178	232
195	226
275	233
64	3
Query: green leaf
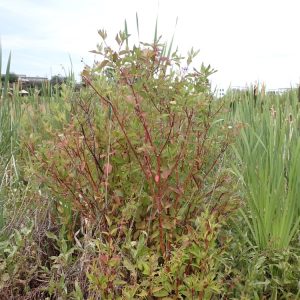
118	39
137	25
51	236
6	81
103	34
119	282
159	292
128	265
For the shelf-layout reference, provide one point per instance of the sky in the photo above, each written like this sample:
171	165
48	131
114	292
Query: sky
245	41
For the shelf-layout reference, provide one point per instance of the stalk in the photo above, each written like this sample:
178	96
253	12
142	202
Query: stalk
268	161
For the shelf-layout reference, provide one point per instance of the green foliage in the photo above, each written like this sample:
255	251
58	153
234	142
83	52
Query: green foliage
13	263
11	79
124	189
4	82
267	160
262	259
10	113
57	79
254	274
140	162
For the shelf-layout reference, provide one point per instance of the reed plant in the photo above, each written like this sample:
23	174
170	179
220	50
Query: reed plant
267	162
10	114
5	134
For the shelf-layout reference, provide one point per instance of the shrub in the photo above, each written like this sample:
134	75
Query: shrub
138	171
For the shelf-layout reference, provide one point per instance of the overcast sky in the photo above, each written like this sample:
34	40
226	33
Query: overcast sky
244	40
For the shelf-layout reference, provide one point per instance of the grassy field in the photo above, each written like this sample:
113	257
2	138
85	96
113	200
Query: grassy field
142	185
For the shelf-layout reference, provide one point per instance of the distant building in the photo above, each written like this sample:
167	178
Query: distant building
239	88
220	93
26	82
35	79
278	91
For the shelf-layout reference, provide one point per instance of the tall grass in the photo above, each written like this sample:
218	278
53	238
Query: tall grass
10	112
268	161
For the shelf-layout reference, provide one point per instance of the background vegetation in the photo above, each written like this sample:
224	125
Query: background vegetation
142	185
